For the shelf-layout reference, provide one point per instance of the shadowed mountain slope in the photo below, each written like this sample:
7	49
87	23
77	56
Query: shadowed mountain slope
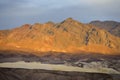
111	26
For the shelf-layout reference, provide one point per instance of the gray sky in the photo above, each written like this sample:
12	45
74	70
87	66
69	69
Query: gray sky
14	13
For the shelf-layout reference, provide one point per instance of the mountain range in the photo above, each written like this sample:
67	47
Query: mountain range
68	36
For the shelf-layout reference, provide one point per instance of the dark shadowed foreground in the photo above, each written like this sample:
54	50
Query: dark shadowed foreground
37	74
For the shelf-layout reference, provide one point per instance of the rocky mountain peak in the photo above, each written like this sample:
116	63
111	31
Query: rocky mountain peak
67	36
26	25
70	20
50	22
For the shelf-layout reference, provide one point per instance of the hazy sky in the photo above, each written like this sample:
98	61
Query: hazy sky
14	13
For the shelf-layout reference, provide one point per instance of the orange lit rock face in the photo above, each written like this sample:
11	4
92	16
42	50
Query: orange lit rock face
67	36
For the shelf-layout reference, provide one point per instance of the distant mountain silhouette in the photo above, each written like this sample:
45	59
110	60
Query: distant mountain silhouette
111	26
66	36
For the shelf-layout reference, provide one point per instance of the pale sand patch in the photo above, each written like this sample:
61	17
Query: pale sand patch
38	65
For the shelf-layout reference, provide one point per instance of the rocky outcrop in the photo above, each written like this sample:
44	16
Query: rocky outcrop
37	74
67	36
